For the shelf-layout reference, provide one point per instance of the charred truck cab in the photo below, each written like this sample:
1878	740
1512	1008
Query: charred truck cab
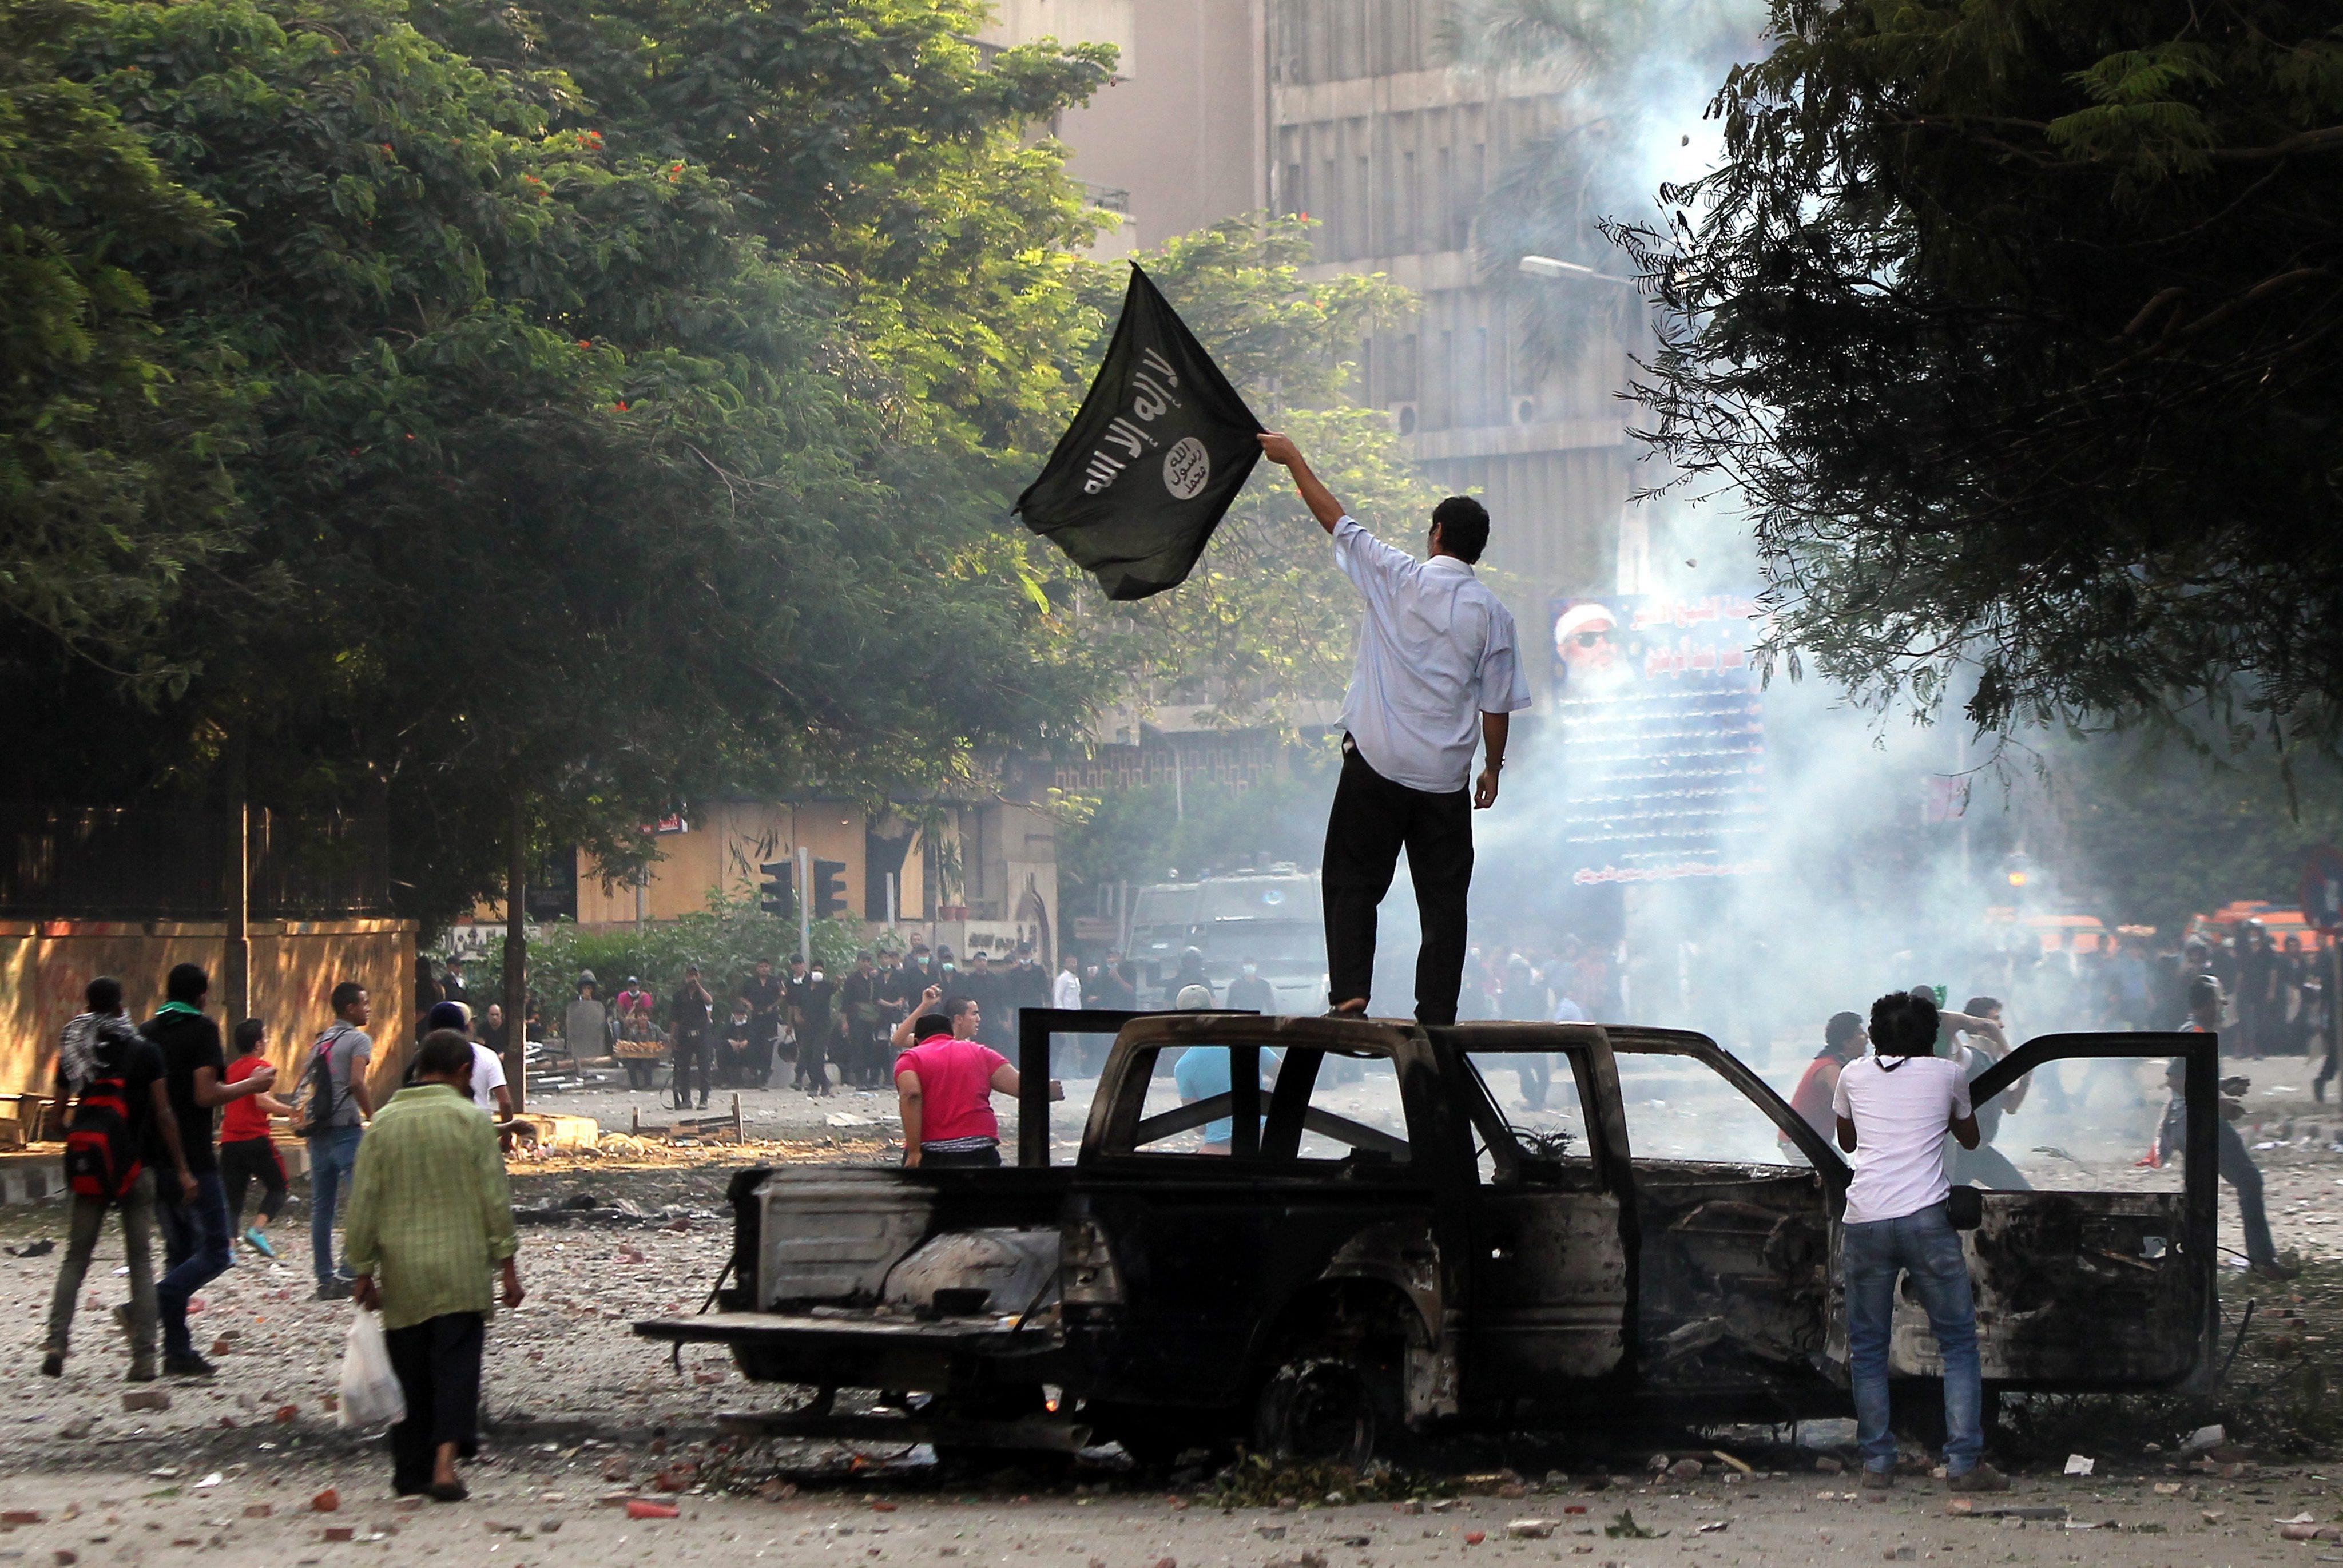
1359	1241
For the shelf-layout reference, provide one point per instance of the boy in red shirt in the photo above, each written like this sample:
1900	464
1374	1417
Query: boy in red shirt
246	1152
945	1084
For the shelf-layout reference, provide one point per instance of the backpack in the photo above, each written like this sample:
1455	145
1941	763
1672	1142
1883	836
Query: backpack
318	1102
102	1156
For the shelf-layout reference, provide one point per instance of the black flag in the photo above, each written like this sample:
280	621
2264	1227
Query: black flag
1160	448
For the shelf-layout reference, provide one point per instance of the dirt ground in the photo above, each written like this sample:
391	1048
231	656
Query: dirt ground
581	1417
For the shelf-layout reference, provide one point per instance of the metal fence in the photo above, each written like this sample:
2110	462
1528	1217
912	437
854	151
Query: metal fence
169	861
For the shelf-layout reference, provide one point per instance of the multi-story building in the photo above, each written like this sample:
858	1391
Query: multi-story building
1393	154
1345	111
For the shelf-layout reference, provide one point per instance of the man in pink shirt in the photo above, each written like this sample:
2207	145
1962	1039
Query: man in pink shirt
945	1083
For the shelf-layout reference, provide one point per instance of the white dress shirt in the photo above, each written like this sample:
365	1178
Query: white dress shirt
1437	652
1066	990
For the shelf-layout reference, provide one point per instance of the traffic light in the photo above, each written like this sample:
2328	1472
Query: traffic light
776	894
828	889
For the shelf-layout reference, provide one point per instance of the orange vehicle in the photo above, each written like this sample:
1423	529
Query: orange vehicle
2062	933
2278	919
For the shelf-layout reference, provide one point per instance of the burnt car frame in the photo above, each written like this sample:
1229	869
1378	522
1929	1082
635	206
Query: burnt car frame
1319	1284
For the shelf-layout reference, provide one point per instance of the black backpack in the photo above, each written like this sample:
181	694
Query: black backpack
102	1153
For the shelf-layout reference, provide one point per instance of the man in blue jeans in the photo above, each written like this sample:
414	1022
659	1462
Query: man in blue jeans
1894	1109
334	1109
196	1245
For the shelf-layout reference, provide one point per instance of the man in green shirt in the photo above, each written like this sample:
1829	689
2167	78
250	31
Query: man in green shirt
429	1222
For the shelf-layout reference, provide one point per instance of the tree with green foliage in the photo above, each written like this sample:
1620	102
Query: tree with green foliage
112	435
553	475
2018	328
1265	622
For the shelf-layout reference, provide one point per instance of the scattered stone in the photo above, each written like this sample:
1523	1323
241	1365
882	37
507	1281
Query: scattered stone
777	1490
1830	1464
1475	1537
285	1412
1657	1462
146	1398
1412	1505
1529	1529
548	1526
15	1516
1899	1554
258	1509
340	1532
643	1508
617	1470
327	1502
1686	1470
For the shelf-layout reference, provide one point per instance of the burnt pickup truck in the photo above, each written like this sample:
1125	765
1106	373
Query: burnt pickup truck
1380	1229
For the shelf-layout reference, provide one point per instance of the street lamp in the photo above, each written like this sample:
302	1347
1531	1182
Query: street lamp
1558	271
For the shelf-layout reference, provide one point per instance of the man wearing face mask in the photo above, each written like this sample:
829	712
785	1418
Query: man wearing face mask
1251	993
814	1003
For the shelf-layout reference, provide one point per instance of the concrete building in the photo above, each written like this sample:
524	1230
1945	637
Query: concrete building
1180	140
1343	111
976	876
1393	154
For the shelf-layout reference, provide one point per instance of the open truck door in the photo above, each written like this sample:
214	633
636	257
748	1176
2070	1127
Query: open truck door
1735	1199
2087	1291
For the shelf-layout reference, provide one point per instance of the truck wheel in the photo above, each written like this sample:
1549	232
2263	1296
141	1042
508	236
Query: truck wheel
1321	1408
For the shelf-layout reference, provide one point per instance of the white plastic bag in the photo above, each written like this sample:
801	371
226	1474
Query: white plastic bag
370	1393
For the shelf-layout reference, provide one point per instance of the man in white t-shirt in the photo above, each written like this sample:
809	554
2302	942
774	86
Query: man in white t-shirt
1894	1109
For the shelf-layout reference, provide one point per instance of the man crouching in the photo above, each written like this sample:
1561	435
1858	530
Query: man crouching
1894	1109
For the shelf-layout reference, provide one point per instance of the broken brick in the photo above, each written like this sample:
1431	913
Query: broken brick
146	1398
327	1502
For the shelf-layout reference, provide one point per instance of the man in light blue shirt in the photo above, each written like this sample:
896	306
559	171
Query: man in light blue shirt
1438	675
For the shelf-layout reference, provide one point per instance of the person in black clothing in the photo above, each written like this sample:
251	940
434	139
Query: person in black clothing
982	984
858	1000
738	1045
195	1236
1114	990
764	997
1251	993
451	980
1190	972
813	1004
694	1018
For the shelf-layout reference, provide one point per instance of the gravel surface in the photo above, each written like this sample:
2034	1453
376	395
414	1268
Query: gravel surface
579	1414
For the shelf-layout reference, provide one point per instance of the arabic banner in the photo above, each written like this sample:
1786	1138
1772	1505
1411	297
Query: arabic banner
1161	446
1664	737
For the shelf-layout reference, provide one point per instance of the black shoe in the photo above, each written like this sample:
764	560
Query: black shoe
448	1492
334	1291
53	1364
188	1364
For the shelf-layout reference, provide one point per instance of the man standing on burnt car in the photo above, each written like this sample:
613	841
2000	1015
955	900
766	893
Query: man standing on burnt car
1438	676
1894	1109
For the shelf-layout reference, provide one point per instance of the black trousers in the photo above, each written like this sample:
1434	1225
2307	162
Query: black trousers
690	1059
244	1161
1372	820
439	1366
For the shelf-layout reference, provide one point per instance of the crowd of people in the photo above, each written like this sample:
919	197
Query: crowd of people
418	1180
825	1029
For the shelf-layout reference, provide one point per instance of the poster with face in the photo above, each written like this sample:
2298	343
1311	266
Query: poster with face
1663	737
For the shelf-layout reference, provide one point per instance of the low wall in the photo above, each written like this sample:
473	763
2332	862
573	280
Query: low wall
296	964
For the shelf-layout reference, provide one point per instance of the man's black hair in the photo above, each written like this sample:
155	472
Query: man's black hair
1464	525
929	1025
956	1005
2203	990
187	983
444	1053
1981	1006
347	993
1904	1024
1842	1029
103	995
248	1034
